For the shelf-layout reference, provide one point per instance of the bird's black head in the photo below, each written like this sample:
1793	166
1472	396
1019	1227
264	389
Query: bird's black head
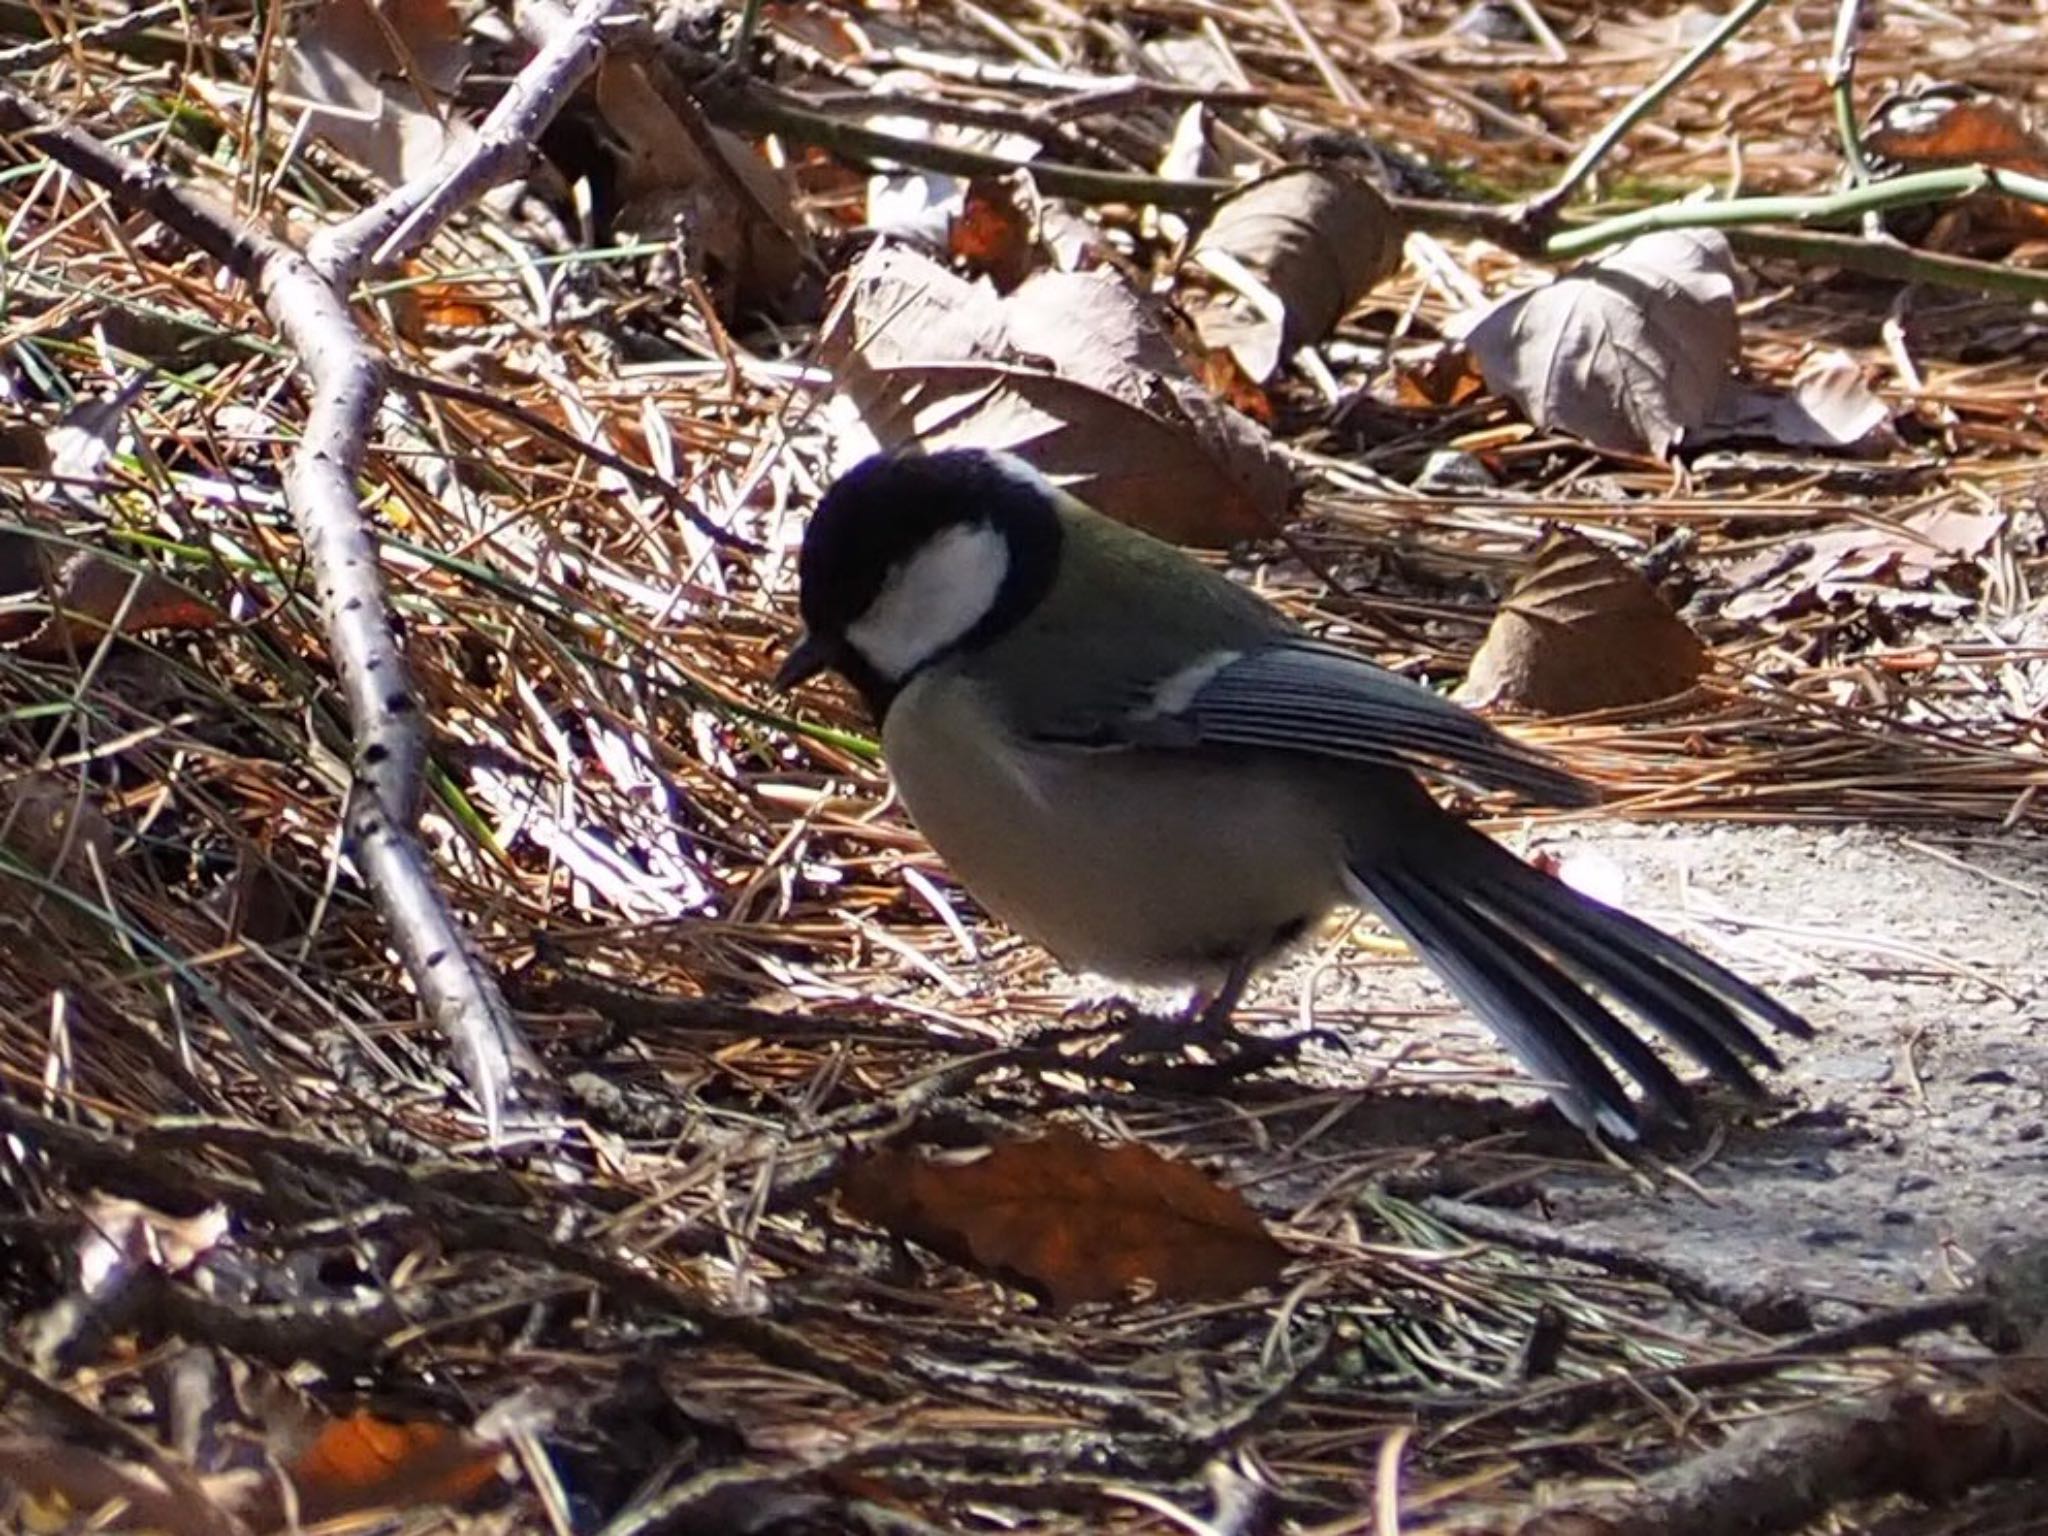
913	557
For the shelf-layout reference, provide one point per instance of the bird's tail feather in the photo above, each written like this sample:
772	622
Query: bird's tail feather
1539	963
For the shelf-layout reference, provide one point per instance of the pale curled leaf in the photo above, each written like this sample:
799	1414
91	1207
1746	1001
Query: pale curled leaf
1630	353
378	81
1071	373
1582	630
1849	562
86	439
1297	249
1828	406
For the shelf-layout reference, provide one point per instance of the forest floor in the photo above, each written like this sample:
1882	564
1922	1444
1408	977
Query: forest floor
262	1215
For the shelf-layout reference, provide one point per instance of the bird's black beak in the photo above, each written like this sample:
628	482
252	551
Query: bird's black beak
806	659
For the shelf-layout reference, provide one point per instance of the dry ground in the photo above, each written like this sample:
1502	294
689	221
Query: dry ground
1914	1130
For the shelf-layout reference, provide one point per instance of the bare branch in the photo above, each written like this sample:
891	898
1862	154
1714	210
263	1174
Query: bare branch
305	298
407	217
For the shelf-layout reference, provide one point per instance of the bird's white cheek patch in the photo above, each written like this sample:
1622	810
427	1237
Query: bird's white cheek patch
932	599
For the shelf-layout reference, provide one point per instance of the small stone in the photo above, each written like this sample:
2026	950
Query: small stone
1829	1237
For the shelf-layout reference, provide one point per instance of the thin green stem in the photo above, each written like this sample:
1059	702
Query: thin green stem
743	34
746	106
1544	208
1840	74
1891	261
1940	186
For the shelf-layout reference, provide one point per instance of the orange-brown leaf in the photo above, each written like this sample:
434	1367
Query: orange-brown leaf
54	602
1961	133
364	1462
996	230
1935	129
1071	1219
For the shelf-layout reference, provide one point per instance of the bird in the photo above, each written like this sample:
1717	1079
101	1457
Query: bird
1148	770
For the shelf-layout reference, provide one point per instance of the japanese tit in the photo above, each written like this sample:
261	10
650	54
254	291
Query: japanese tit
1145	768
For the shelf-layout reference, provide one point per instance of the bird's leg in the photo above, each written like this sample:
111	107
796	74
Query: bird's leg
1204	1022
1207	1023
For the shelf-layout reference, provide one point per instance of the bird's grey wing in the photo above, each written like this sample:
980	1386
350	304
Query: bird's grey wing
1296	695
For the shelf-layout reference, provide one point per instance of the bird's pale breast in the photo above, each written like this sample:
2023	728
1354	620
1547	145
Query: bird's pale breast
1145	867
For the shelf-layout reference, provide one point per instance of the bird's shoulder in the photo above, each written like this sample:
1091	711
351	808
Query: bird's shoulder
1124	614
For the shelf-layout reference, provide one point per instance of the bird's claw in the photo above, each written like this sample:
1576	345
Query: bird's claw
1225	1053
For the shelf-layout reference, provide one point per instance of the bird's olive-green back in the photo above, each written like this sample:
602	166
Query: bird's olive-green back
1125	612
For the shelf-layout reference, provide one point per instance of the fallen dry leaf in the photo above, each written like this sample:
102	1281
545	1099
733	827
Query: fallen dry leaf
1582	630
1828	406
679	172
996	230
1941	126
363	1462
427	308
1438	377
1071	373
1073	1220
56	828
377	81
913	202
56	601
1630	352
65	1487
1293	251
1839	561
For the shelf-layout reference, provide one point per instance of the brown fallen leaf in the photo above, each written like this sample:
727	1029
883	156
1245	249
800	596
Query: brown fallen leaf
60	1487
56	829
1070	372
54	601
1072	1220
676	171
364	1463
1631	352
1293	251
1939	127
428	309
996	231
1948	125
1582	630
1439	377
